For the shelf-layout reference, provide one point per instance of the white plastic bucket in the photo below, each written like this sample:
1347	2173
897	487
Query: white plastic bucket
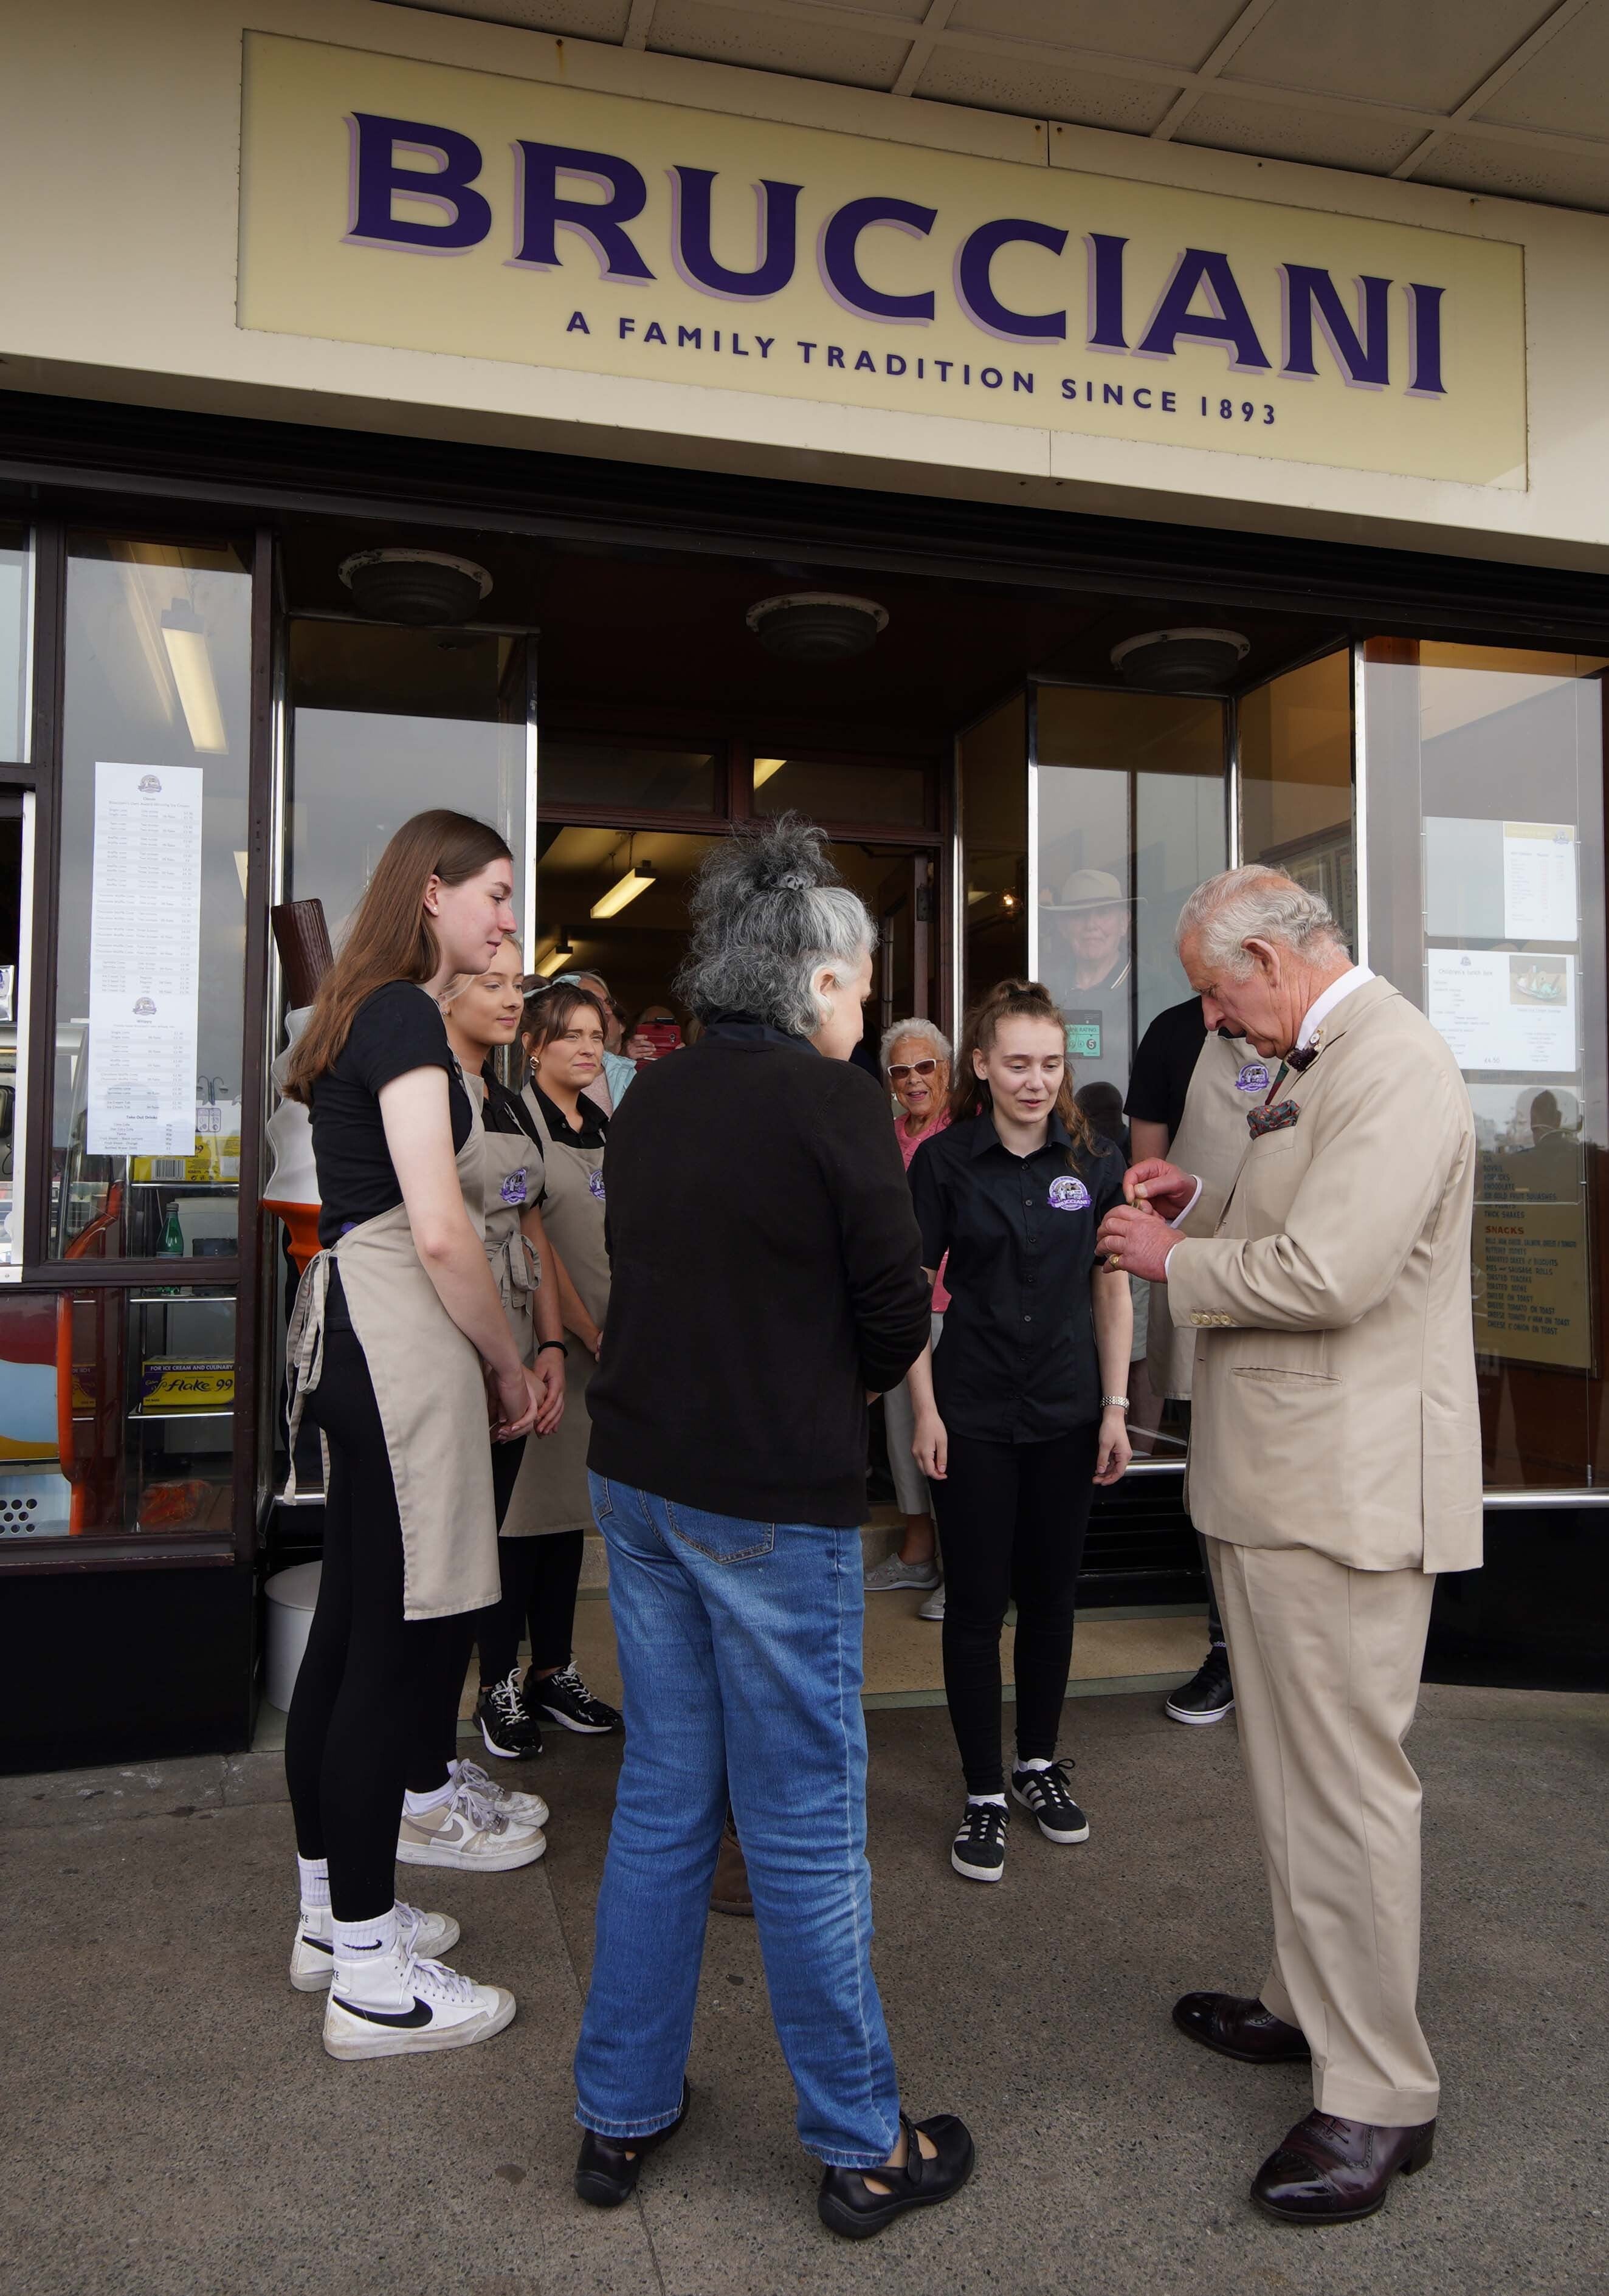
291	1595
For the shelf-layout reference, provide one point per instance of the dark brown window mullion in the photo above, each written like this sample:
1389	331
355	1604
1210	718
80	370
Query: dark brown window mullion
49	665
251	1335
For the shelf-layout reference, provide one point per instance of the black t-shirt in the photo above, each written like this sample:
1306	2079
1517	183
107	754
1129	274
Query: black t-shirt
1164	1064
395	1030
1017	1363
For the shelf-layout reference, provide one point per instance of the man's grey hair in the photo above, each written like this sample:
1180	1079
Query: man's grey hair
924	1031
769	909
1256	903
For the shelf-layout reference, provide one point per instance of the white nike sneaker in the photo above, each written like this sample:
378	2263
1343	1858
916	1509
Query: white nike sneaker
396	2006
524	1808
467	1831
313	1954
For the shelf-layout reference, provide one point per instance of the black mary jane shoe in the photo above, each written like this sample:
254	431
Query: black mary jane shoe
847	2206
607	2170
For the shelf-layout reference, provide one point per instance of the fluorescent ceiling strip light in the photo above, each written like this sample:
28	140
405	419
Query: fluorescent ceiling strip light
636	880
557	957
185	640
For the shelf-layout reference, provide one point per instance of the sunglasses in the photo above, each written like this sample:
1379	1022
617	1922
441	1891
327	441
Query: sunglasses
902	1069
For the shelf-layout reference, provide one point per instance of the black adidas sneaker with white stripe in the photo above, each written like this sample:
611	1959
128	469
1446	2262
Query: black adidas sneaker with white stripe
978	1848
1049	1795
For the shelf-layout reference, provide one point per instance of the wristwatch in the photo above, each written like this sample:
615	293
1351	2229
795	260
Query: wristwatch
1114	1403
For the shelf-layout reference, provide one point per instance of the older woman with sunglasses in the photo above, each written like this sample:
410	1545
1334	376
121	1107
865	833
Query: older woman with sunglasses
916	1067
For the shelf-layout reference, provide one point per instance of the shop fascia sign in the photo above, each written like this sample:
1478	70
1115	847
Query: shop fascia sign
619	237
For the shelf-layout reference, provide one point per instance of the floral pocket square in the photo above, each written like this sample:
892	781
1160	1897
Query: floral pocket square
1278	1118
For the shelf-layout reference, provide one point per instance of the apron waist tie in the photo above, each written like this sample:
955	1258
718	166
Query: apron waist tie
305	1345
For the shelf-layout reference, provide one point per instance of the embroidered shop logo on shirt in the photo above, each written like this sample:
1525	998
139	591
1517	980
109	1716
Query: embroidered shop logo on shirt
512	1190
1069	1195
1253	1078
594	1181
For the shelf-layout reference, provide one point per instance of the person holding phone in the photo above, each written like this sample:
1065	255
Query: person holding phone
1020	1412
400	1350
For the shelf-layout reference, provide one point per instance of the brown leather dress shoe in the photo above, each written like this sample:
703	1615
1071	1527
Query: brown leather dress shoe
729	1893
1243	2029
1333	2171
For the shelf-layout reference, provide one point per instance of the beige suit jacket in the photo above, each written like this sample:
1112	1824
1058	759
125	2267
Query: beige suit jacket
1334	1399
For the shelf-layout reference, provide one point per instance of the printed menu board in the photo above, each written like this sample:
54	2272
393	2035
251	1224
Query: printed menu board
1502	1009
144	945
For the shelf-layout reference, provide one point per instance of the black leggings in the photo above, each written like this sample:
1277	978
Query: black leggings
441	1660
354	1731
540	1577
1011	1518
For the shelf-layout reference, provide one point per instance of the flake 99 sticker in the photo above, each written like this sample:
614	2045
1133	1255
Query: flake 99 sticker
512	1190
1069	1195
1253	1078
594	1181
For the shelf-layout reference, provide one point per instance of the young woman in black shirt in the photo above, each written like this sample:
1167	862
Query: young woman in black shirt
1021	1411
398	1338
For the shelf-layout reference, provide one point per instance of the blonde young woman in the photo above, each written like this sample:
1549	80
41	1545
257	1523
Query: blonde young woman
917	1069
451	1803
563	1029
1020	1410
397	1341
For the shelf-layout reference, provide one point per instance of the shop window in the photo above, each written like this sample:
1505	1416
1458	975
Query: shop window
627	777
115	1412
1485	906
844	791
1296	780
145	1121
1131	819
386	723
993	761
16	633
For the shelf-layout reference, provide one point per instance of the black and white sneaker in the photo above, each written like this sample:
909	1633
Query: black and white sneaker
506	1722
978	1848
1209	1694
565	1699
1049	1796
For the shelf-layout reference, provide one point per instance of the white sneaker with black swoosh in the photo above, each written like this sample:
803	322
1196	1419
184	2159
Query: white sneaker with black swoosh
469	1832
396	2006
313	1954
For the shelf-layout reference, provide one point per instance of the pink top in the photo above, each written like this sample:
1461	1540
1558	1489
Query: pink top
909	1146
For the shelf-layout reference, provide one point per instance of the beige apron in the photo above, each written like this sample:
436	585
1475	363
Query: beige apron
1227	1081
432	1395
513	1182
551	1492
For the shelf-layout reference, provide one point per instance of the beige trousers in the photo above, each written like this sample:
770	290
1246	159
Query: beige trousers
1325	1662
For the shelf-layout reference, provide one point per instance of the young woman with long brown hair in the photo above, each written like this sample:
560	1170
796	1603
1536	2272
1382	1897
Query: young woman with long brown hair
1021	1411
397	1341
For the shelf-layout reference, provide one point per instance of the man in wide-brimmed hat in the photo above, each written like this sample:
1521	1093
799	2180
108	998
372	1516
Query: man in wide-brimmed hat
1095	910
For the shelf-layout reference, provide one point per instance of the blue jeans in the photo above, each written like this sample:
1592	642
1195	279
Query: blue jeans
740	1652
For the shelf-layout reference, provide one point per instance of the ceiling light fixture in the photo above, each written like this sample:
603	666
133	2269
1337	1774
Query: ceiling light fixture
764	767
557	957
184	637
424	589
816	626
637	878
1182	660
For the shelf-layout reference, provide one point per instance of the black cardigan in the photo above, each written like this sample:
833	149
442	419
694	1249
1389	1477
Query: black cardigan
766	1271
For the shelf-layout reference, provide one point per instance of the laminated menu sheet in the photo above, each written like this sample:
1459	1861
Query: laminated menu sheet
1499	1009
144	949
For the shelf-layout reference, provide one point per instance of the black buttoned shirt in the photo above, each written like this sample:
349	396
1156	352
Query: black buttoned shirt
1018	1362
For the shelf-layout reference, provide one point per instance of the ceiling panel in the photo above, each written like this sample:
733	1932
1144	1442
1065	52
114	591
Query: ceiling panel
1563	86
1512	171
1434	52
1089	99
1367	140
571	19
1162	31
793	43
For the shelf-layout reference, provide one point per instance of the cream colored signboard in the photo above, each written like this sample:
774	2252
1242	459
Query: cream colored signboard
391	202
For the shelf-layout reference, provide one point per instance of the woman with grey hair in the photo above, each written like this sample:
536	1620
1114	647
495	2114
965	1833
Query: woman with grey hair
767	1275
916	1066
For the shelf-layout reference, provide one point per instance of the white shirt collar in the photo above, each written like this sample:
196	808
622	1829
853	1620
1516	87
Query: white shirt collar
1320	1012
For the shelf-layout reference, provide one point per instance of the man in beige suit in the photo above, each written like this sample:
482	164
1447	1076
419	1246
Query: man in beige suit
1334	1470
